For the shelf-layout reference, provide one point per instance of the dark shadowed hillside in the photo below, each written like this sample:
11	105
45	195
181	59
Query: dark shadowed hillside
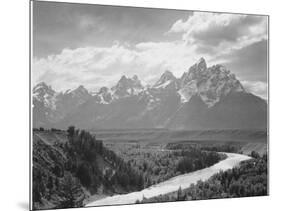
70	166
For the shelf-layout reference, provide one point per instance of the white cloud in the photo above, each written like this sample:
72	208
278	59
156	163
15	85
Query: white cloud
216	32
204	35
87	66
258	88
95	66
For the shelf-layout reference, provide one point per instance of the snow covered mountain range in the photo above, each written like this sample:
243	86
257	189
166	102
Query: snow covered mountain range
203	98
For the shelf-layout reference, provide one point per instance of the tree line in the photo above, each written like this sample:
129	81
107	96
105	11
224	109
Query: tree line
248	179
80	161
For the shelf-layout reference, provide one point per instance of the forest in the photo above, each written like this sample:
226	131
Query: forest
158	164
248	179
71	166
62	171
213	146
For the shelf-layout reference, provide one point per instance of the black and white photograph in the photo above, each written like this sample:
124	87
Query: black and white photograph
136	105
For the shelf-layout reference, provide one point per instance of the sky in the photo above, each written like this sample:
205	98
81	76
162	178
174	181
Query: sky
94	45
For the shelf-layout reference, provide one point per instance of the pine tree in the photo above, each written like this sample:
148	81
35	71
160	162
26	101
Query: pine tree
179	194
70	190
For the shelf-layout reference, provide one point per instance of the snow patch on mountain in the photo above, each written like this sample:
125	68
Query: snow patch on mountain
157	104
127	87
45	94
209	83
104	95
166	81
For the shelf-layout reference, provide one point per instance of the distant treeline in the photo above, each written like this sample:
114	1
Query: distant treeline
249	179
44	129
213	146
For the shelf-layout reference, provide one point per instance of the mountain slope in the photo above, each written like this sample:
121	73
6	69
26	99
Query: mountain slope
235	111
203	98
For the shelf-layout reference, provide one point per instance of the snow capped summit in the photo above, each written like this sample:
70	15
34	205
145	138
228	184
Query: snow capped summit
45	94
58	104
104	95
127	87
201	64
196	71
209	83
80	93
193	101
167	80
43	87
167	75
103	90
126	82
79	90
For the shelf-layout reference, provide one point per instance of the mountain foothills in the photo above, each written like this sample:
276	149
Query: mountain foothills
202	98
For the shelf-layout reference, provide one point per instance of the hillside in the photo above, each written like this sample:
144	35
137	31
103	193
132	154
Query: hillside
70	166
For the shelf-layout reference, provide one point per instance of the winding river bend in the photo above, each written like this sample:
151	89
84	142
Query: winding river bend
173	184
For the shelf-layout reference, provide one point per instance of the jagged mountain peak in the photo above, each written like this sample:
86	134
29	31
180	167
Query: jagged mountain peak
201	63
104	95
197	70
129	82
103	89
42	91
199	67
126	87
45	94
166	80
81	89
123	78
192	101
135	78
209	83
168	73
42	86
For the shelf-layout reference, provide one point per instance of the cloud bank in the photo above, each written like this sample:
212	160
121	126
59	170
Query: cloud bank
219	38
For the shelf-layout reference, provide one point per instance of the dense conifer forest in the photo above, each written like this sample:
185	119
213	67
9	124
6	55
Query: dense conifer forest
248	179
64	172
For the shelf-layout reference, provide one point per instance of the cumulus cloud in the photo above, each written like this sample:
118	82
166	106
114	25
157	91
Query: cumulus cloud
258	88
81	66
219	38
217	32
98	66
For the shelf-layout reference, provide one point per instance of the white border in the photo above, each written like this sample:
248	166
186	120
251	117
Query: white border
15	94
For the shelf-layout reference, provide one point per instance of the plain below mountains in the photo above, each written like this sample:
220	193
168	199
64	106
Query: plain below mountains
203	98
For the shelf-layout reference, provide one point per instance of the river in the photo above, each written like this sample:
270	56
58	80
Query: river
173	184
